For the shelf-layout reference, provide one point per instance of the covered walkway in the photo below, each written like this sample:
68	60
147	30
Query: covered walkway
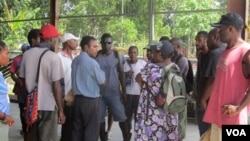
14	132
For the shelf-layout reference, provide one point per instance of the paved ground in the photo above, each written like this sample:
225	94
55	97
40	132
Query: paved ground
14	135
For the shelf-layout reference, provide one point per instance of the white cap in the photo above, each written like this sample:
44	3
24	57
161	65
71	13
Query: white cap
68	36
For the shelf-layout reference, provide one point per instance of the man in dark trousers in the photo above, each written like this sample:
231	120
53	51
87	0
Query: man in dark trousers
86	78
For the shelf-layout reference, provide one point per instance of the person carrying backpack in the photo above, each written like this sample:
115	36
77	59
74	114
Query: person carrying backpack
152	122
182	62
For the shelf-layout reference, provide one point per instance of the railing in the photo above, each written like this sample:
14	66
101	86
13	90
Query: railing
6	69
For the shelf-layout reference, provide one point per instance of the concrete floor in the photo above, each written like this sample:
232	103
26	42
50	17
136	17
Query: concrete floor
14	132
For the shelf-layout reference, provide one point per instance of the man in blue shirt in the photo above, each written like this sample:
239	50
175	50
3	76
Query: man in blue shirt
86	78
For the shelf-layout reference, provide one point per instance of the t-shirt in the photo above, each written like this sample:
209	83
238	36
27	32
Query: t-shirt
182	62
66	63
108	64
15	64
209	69
4	97
14	68
200	82
50	70
134	88
229	87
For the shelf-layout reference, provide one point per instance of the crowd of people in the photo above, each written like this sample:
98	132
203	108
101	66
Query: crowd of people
79	91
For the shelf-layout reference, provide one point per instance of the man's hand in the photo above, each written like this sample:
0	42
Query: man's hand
62	117
8	120
124	98
129	73
230	110
203	105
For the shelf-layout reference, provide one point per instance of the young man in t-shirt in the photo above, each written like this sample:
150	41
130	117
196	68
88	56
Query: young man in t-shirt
230	96
112	64
132	67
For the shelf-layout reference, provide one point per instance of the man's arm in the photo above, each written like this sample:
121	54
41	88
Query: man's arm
13	72
183	66
57	91
207	93
122	78
15	78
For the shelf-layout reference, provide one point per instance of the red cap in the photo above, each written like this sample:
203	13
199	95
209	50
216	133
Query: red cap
49	31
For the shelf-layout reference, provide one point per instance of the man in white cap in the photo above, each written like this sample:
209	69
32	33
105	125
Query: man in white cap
69	43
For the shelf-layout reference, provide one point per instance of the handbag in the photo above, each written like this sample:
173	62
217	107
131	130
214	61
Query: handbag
31	114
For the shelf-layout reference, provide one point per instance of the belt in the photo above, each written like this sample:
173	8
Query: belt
82	96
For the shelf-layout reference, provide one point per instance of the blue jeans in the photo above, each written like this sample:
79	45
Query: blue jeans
115	106
203	126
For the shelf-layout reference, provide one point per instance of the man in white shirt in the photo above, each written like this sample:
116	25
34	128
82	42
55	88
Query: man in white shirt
69	43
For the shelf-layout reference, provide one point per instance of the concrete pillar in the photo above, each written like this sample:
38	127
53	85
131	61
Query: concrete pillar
240	7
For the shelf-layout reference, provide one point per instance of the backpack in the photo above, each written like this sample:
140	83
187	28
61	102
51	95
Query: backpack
174	88
189	79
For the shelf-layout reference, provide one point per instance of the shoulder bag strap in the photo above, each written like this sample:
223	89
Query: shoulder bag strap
38	66
129	65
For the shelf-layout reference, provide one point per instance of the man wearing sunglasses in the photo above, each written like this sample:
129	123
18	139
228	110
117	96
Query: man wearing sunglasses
111	63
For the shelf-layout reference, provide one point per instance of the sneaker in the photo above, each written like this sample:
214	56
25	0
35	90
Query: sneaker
109	134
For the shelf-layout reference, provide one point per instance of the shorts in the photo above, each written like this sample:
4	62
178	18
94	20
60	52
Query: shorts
115	106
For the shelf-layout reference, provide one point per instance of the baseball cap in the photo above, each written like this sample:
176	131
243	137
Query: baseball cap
49	31
152	43
68	36
233	19
165	47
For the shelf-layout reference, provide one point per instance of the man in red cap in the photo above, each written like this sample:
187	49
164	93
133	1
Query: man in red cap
50	105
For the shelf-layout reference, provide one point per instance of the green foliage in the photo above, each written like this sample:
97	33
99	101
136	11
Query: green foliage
14	33
124	30
180	18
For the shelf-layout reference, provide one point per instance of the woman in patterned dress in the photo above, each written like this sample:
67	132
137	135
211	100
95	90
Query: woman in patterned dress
154	123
